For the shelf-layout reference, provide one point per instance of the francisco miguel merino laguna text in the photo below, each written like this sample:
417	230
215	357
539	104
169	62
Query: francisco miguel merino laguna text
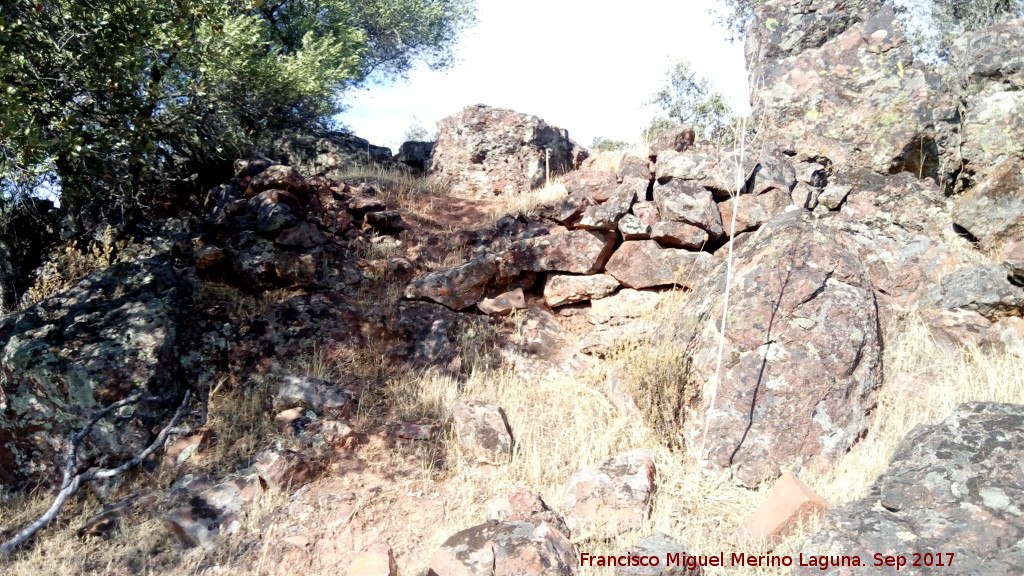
692	562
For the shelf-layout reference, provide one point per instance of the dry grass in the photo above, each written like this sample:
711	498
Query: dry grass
67	265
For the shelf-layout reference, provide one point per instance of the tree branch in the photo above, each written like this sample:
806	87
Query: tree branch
72	481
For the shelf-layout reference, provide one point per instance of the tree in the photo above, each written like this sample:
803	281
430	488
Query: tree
132	98
601	144
416	132
689	99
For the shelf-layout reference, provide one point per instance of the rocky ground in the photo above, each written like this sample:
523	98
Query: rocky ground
809	345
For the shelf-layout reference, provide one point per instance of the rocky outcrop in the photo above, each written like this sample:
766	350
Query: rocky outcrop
952	494
838	80
484	151
62	361
802	354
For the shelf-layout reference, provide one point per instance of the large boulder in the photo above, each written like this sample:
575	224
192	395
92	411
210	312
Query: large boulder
416	155
838	80
952	494
802	357
68	357
484	151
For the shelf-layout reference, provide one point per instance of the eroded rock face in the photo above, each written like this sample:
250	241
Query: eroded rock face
505	549
951	488
484	151
802	359
71	355
839	80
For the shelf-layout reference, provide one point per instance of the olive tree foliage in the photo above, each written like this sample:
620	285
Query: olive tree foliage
124	99
688	99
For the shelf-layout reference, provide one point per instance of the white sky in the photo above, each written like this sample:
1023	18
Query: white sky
577	65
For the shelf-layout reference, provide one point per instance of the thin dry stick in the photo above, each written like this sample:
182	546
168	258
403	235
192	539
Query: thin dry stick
72	482
728	284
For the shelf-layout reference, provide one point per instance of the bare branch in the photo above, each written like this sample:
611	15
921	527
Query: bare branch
72	481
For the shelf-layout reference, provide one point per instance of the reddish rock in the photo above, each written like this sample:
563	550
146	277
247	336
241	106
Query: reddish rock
518	506
503	303
416	431
754	210
457	287
484	151
613	498
790	505
305	235
207	256
375	560
645	263
575	251
676	139
647	212
681	202
278	177
505	549
483	431
721	172
384	222
594	184
561	289
632	228
606	216
183	448
361	205
802	361
298	267
626	303
679	235
635	167
273	210
212	512
833	195
285	469
313	394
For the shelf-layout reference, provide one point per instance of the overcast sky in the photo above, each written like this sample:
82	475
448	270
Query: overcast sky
578	66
